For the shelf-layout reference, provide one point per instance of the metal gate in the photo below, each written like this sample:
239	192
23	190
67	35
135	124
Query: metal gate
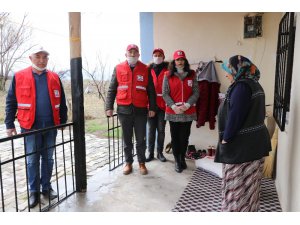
284	67
116	143
14	192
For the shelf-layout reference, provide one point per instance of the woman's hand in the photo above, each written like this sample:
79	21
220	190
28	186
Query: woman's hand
224	142
177	109
183	108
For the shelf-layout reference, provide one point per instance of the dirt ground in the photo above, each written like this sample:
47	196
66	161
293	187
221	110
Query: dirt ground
93	110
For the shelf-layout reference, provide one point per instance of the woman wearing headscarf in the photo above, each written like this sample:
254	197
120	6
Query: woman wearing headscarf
243	137
180	92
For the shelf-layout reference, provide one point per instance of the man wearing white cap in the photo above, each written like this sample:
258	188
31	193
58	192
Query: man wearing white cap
132	87
36	95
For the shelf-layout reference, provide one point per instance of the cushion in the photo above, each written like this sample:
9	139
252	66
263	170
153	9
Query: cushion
207	163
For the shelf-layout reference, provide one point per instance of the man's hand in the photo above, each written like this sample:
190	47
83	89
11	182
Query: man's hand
109	112
151	113
11	132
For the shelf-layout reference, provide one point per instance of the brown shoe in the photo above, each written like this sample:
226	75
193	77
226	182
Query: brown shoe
143	169
127	169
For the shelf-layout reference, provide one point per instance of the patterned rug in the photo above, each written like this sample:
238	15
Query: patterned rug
203	194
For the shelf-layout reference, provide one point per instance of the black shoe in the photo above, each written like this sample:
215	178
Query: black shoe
161	157
33	199
50	194
150	157
183	163
178	168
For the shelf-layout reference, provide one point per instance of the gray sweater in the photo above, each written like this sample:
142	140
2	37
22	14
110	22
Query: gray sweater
169	101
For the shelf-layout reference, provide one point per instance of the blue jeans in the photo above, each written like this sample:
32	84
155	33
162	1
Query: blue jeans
42	146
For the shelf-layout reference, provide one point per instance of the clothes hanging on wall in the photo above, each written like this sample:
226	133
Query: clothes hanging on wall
209	87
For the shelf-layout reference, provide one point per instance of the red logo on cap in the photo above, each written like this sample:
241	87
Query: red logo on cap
132	46
179	54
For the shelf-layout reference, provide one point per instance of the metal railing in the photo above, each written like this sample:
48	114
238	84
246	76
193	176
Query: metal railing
116	143
14	195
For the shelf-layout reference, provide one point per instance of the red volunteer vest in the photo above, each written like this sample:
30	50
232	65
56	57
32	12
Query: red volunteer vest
158	81
132	86
26	96
180	92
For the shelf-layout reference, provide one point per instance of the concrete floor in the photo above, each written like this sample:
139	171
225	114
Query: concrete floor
114	192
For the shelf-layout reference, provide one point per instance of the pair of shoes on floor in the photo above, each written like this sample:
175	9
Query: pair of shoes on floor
211	150
160	156
34	197
128	169
196	154
191	152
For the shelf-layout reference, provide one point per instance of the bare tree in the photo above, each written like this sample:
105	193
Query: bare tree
98	77
14	39
62	75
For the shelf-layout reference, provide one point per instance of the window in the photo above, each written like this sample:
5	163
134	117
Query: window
284	69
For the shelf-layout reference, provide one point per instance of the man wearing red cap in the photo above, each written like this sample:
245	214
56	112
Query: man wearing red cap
180	92
157	123
132	87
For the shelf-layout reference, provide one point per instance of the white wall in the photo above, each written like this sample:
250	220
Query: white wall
288	153
206	36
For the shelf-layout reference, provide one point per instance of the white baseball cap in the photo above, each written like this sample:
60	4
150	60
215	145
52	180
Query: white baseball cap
38	49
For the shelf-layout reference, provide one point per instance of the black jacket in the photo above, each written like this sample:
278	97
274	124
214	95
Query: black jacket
252	141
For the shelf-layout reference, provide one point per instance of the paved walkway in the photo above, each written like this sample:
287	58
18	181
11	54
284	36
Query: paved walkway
96	157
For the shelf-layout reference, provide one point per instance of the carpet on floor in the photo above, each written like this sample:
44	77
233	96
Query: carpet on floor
203	194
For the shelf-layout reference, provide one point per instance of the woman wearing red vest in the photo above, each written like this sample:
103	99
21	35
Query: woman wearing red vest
180	92
157	123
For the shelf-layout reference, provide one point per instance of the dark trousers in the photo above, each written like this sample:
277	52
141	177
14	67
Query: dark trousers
180	133
137	123
158	124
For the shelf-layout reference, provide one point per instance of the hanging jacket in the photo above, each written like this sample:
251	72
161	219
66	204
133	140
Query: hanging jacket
180	91
132	88
209	87
26	96
158	81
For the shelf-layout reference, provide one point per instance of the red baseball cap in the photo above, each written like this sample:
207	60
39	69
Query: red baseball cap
179	54
158	50
132	46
